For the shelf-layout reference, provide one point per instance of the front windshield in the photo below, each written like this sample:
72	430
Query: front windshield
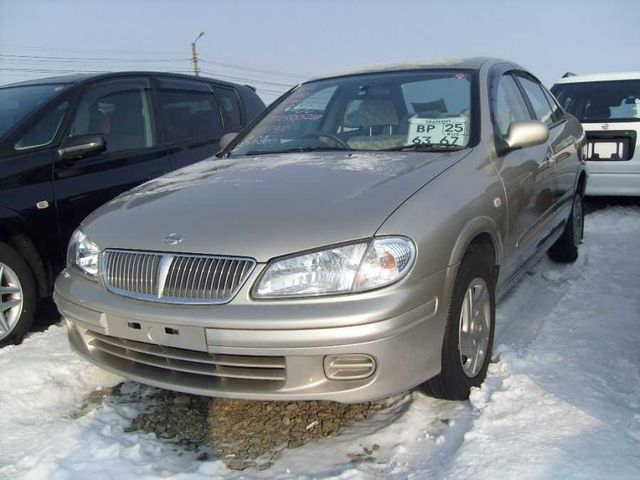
601	101
425	110
18	102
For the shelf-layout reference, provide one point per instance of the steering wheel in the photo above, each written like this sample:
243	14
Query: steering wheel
336	139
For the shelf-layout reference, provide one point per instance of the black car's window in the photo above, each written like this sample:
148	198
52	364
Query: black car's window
16	103
189	115
45	130
418	110
124	118
615	100
230	106
537	98
509	105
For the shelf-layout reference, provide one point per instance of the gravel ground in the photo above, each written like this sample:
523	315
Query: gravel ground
244	434
253	434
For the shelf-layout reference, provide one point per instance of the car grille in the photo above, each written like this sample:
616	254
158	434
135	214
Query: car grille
169	278
240	367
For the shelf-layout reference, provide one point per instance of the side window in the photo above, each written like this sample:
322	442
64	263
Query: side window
124	118
509	105
230	108
537	98
189	115
45	130
557	114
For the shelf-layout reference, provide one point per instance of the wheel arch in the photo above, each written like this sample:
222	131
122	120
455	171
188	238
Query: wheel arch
581	185
14	232
481	233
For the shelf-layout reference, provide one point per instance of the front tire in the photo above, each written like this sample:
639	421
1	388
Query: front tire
17	296
468	338
565	250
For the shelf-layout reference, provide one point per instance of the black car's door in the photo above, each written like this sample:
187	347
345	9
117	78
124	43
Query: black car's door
191	118
26	187
120	110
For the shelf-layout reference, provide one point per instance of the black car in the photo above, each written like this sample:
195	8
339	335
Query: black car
70	144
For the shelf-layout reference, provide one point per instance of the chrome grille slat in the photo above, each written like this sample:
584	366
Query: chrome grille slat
191	279
200	363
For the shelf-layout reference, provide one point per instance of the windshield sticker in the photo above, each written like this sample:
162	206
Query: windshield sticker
439	131
297	117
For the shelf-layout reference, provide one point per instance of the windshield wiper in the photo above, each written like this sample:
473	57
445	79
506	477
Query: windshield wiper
300	150
421	147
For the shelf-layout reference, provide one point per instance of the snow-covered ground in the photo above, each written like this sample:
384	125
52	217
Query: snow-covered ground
562	399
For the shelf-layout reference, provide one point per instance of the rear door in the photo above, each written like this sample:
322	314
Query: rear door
192	120
563	155
120	110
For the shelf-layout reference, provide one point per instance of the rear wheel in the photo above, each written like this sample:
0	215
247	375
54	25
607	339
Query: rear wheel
468	338
17	296
566	247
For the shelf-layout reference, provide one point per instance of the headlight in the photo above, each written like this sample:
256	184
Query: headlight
349	268
83	254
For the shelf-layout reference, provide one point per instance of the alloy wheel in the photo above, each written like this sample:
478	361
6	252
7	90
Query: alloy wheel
11	300
474	329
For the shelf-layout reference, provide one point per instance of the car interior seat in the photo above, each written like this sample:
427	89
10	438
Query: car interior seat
597	112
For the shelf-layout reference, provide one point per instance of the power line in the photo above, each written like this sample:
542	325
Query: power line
106	61
163	60
242	79
256	70
68	71
87	50
49	70
88	59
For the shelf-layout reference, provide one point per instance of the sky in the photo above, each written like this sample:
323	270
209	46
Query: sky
274	44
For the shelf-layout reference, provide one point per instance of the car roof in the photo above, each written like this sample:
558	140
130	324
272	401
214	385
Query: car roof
90	77
471	63
600	77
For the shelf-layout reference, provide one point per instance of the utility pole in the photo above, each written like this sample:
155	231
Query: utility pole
194	55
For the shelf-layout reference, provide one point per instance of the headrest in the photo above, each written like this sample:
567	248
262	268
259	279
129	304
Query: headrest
436	106
373	112
597	111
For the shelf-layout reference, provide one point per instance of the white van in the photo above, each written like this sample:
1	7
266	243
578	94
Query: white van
608	105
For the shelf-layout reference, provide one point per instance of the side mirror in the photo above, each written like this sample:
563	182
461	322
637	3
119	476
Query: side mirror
526	133
226	139
80	145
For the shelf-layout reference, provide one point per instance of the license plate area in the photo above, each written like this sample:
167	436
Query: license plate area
177	336
614	146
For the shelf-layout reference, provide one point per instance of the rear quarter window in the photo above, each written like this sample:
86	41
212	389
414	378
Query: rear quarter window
230	108
190	115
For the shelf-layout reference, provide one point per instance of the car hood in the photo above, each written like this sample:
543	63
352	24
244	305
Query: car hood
266	206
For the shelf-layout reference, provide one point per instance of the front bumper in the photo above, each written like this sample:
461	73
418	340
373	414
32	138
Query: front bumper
263	350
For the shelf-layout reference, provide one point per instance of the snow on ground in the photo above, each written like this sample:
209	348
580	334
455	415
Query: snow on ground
561	401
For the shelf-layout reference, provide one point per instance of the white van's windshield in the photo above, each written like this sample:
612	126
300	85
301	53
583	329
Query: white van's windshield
599	102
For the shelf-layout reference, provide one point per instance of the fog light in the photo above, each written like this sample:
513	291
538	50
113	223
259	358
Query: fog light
349	367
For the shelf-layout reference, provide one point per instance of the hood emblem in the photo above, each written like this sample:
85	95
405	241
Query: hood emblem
605	126
173	239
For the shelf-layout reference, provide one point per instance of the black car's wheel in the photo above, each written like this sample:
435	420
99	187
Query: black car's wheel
566	247
468	338
17	296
